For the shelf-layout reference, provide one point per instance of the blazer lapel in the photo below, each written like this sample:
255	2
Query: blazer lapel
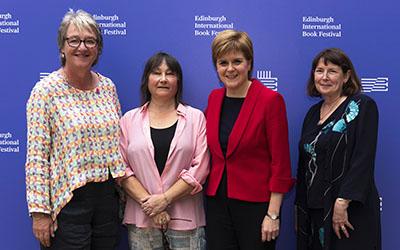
179	128
147	134
244	117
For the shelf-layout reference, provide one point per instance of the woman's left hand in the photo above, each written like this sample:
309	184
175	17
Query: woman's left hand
162	219
154	204
269	229
340	221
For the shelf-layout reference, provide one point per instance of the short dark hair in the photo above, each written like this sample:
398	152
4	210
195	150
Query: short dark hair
154	62
338	57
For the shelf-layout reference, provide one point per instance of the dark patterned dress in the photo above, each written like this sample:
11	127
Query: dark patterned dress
337	159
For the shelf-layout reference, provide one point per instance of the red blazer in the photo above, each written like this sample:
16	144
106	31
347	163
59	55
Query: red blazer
257	158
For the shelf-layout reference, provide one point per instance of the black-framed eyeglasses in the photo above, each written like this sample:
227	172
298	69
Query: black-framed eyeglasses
75	42
164	230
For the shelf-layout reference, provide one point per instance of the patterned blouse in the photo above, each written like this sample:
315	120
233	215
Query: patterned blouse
73	139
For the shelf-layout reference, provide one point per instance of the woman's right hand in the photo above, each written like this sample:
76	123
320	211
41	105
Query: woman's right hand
161	219
43	227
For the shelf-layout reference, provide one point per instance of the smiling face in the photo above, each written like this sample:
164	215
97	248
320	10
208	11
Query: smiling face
81	56
163	83
233	70
329	79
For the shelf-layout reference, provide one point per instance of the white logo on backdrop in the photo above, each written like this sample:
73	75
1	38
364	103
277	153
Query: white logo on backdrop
8	24
43	75
375	84
321	27
208	25
265	76
111	25
8	144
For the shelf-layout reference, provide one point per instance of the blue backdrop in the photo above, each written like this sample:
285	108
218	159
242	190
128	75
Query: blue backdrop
286	36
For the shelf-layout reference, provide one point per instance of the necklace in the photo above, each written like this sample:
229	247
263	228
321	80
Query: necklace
324	115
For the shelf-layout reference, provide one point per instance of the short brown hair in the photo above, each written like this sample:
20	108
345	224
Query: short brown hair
338	57
232	40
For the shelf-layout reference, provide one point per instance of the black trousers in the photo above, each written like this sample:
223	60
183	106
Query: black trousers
90	220
234	224
317	223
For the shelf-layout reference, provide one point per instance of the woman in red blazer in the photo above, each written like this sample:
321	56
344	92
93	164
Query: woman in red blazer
247	135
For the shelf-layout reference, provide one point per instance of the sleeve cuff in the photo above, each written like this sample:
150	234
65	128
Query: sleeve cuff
189	179
353	197
281	185
38	210
128	173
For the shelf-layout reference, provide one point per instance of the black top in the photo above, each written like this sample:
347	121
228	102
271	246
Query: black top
318	142
229	113
162	140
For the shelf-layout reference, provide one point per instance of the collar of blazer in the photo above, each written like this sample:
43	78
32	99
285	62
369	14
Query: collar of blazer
213	118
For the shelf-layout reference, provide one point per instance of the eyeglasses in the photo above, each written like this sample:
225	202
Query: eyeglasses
164	230
75	42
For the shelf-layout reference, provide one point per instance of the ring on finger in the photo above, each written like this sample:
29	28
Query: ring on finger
343	227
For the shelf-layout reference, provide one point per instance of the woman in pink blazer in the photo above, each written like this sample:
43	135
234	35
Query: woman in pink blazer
163	142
